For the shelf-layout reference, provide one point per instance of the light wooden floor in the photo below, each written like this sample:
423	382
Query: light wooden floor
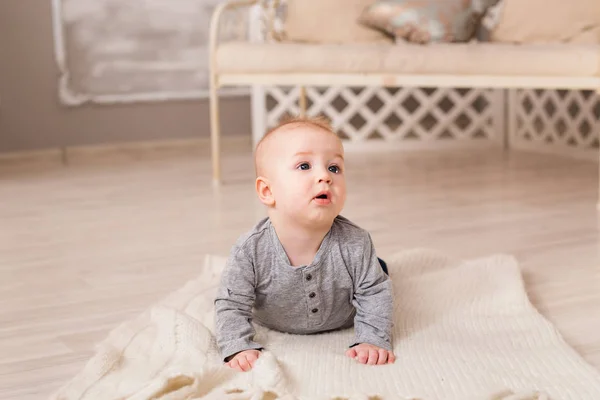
86	247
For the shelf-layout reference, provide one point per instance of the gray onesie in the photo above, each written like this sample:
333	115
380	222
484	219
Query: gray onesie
343	286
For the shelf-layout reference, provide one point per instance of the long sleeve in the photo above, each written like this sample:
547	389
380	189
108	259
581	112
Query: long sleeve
373	300
233	306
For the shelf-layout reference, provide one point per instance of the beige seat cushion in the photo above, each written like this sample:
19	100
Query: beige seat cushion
329	21
473	58
547	21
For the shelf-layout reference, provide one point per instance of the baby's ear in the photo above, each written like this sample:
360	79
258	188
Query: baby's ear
264	191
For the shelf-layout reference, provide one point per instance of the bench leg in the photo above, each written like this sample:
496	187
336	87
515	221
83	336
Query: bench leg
215	134
598	203
302	101
510	131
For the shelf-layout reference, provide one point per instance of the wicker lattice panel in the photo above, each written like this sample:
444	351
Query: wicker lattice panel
557	118
395	114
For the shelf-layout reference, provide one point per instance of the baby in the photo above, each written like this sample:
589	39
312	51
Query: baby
304	269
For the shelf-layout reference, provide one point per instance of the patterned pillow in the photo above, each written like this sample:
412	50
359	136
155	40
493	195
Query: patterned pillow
423	21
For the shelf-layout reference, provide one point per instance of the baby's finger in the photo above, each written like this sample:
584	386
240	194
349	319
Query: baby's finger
363	356
234	364
391	357
351	353
252	357
244	365
373	355
383	356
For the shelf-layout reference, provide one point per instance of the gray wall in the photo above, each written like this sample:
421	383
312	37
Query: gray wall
32	118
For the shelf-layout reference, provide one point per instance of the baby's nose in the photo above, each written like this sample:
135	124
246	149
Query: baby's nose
325	177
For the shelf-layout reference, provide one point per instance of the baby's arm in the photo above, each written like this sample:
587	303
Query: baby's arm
233	306
373	301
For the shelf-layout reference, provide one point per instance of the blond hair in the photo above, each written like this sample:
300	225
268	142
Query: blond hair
318	122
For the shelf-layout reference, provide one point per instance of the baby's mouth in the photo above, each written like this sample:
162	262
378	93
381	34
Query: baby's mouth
323	198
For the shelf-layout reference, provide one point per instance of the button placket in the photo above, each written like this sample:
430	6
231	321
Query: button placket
310	286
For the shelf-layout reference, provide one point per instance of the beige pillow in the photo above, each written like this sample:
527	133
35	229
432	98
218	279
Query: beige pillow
329	21
548	21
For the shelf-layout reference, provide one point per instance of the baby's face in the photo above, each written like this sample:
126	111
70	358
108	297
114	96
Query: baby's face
307	175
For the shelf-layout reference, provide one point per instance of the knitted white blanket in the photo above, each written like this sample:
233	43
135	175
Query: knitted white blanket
463	330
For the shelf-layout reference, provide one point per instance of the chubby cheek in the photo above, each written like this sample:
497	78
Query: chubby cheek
297	195
303	187
340	187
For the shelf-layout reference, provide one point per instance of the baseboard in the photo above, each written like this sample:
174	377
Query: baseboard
126	150
37	157
243	143
555	149
381	145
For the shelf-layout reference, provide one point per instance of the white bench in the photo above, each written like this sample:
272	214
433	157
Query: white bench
255	58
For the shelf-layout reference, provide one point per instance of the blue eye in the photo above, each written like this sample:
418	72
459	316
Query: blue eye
304	166
335	169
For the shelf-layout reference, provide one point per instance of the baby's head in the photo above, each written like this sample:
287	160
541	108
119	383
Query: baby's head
300	172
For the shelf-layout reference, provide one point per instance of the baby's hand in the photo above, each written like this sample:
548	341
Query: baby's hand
244	360
368	354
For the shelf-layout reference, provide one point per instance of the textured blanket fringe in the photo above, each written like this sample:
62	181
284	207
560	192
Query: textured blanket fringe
258	394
